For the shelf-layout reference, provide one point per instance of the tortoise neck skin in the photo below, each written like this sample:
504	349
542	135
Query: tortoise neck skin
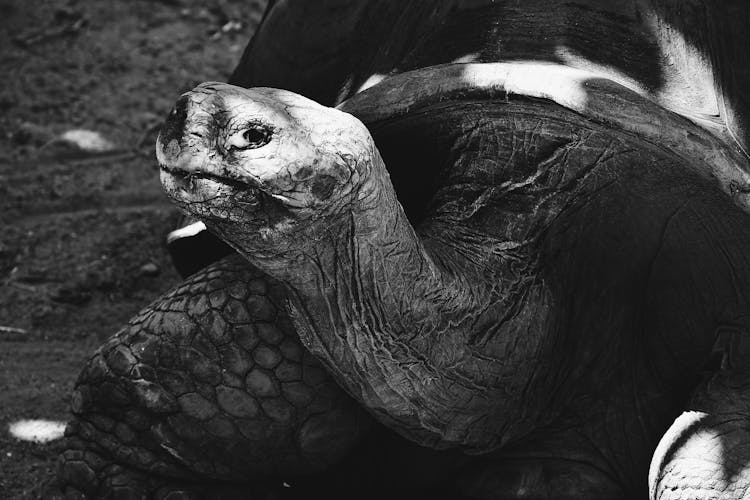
409	327
395	326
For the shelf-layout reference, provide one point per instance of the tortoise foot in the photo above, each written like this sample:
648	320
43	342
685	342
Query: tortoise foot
85	472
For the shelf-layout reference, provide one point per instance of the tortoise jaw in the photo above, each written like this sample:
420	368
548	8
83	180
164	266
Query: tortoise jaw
207	195
186	176
185	179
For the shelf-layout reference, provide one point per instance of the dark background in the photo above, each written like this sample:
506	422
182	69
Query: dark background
82	222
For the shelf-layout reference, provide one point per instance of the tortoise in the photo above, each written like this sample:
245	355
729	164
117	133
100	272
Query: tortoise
462	269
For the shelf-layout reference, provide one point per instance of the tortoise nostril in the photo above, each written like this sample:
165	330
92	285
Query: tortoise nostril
174	126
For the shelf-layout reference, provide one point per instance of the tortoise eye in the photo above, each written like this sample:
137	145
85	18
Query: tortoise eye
253	137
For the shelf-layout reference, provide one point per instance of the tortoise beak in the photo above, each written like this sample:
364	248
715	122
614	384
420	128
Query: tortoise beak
174	126
188	134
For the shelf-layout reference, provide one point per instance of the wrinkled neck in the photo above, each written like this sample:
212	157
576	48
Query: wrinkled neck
366	298
396	329
368	255
369	300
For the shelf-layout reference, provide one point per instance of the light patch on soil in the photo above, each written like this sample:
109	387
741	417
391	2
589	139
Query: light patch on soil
37	431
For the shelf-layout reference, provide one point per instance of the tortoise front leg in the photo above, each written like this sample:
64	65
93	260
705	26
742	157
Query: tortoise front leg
207	385
705	454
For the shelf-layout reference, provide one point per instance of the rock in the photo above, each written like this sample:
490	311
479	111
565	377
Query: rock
77	144
149	269
87	140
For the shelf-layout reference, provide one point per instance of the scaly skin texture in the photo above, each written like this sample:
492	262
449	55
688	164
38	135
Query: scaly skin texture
705	454
450	395
209	382
475	329
553	289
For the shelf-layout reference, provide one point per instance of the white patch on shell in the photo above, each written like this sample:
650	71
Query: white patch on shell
374	79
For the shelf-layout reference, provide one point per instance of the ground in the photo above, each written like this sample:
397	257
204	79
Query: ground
82	216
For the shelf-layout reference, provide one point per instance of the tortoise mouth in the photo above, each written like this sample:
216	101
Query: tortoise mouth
207	195
188	179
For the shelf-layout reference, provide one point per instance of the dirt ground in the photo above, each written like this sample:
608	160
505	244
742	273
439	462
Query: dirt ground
82	215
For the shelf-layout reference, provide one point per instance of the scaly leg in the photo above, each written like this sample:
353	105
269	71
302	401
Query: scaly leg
206	387
705	454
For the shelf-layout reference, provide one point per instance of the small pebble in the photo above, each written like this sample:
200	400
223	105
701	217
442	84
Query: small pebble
87	140
37	431
149	269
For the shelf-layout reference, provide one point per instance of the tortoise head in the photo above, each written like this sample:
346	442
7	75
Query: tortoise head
261	162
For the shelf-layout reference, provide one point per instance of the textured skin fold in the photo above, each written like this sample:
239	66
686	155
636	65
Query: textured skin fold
592	231
210	380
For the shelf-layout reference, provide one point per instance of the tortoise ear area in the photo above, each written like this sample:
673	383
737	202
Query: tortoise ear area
323	186
315	186
339	175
